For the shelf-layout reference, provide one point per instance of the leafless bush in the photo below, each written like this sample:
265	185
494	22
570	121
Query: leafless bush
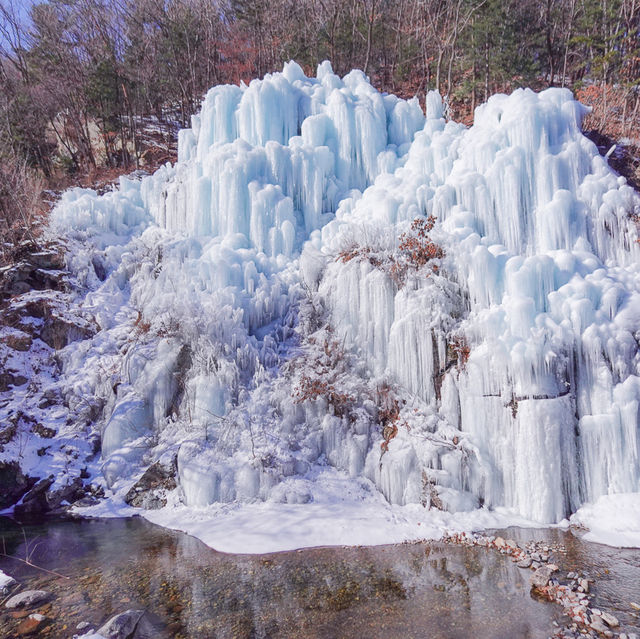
20	206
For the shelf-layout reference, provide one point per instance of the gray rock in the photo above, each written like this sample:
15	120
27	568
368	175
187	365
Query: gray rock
46	260
28	599
609	619
597	625
149	492
525	563
121	626
540	578
57	332
131	624
83	625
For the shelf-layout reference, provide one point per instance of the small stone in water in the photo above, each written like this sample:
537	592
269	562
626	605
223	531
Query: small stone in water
610	620
597	625
540	578
28	598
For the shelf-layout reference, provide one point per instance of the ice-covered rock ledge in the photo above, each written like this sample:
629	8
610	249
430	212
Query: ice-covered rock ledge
330	283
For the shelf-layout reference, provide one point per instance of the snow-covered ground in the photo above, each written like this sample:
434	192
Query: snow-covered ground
344	321
613	520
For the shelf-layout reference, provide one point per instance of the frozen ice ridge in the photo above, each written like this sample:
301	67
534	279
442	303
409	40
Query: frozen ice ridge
329	281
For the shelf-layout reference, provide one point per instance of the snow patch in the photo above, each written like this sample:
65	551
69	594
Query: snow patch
613	520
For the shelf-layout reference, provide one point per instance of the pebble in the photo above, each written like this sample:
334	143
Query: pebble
584	584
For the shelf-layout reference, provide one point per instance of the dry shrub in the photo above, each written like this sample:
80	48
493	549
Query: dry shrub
388	415
20	206
311	389
325	360
417	247
415	250
461	350
140	325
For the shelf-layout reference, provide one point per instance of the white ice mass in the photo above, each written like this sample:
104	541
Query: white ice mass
253	321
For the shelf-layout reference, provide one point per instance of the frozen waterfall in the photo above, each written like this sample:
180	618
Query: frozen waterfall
234	331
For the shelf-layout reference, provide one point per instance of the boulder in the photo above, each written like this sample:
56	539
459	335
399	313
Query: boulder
35	501
7	433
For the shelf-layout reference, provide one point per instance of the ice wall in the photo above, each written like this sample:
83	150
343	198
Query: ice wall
207	264
541	238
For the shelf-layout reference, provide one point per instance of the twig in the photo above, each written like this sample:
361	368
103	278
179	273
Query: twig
32	565
28	554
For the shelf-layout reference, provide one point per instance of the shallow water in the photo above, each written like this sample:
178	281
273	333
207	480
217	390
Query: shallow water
413	590
616	571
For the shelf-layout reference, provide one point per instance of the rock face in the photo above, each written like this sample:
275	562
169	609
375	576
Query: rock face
149	492
36	271
28	599
14	483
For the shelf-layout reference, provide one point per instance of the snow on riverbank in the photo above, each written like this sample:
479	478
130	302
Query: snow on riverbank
341	512
613	520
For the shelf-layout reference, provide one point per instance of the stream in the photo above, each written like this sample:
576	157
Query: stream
408	590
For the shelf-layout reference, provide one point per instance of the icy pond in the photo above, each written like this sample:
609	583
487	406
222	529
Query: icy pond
409	590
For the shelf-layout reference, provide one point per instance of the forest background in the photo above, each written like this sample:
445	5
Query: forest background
90	89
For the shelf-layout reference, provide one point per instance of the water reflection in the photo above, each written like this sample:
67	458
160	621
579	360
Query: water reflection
404	591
